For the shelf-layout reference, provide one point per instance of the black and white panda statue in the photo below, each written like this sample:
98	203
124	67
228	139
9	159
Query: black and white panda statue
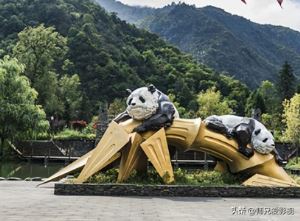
151	106
246	131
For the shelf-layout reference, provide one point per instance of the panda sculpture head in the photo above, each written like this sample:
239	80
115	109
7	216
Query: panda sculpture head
142	103
262	140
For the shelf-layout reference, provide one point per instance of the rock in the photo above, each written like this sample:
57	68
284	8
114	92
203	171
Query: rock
36	179
33	179
14	179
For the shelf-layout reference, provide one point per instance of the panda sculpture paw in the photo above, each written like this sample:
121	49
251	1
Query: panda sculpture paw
219	127
247	152
146	127
230	134
140	129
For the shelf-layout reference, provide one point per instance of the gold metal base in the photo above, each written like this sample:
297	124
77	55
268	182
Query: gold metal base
112	141
133	158
76	165
261	180
156	149
221	167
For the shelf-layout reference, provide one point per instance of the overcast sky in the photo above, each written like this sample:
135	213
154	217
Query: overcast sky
260	11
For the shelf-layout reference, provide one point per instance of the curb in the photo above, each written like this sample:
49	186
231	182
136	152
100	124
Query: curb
175	191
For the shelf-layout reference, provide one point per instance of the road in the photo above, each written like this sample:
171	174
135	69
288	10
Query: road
20	200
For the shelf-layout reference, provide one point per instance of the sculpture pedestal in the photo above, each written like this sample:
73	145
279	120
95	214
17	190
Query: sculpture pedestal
185	134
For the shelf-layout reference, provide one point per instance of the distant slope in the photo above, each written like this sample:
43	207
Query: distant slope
251	52
131	14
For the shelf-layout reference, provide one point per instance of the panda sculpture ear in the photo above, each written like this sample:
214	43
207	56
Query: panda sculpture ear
129	91
151	88
257	131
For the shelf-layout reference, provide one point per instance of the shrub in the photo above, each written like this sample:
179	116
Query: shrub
182	177
293	164
151	177
110	176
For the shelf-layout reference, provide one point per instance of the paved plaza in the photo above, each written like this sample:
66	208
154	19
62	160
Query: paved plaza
20	200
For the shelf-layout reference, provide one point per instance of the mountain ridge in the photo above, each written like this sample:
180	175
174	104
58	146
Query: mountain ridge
229	43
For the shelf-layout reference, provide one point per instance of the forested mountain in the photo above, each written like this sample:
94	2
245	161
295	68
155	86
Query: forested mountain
106	53
251	52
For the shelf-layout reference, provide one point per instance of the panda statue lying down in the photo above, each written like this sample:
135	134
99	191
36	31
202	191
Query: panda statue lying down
151	106
246	131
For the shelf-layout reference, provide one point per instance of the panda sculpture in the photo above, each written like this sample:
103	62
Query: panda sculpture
151	106
245	131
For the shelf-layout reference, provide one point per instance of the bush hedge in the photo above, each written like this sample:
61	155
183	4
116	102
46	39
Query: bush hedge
182	177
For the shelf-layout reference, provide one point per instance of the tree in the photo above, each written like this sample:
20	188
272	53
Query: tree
20	117
255	101
183	112
298	89
116	107
71	96
272	116
269	94
235	92
42	51
291	116
286	82
211	103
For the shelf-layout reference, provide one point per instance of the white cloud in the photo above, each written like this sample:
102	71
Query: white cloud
260	11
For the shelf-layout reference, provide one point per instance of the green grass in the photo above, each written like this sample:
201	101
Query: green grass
182	177
73	134
66	134
292	164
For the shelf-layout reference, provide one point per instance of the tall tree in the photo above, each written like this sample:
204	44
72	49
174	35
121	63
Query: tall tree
71	96
270	101
286	82
271	117
298	89
254	102
42	50
269	94
19	115
116	107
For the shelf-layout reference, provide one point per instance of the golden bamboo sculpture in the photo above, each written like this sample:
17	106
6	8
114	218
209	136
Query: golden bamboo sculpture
186	134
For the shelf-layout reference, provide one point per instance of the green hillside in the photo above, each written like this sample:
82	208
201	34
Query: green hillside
110	55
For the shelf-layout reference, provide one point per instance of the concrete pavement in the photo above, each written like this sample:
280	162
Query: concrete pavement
20	200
